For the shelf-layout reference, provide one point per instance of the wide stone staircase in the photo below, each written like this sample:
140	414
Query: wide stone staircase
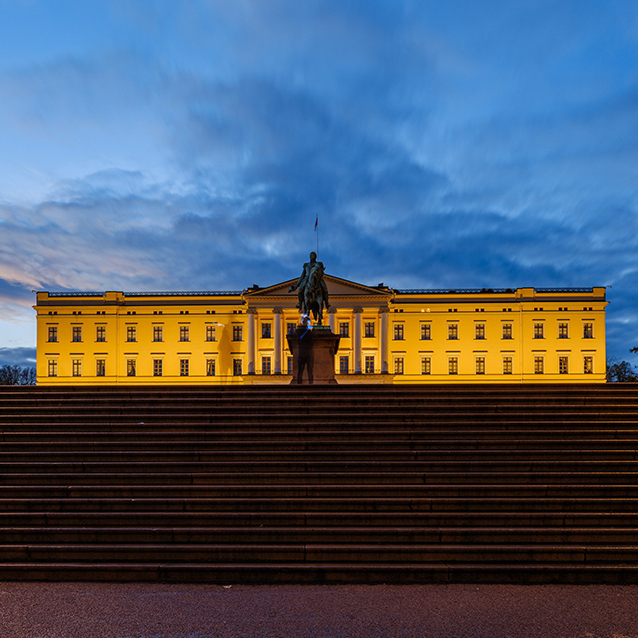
367	484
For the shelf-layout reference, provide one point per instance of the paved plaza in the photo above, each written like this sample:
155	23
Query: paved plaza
93	610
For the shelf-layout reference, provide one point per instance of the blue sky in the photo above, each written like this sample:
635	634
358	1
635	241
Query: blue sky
189	145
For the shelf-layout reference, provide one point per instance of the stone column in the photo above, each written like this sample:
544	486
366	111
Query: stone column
332	319
383	345
278	318
356	346
250	349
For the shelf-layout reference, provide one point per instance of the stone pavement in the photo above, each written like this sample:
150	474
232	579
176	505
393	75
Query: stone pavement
95	610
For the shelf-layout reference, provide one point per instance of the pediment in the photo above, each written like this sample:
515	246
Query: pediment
337	287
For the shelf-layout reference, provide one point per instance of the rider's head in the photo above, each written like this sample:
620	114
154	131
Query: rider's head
313	255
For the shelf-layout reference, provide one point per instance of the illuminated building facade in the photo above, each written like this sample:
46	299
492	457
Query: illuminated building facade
387	336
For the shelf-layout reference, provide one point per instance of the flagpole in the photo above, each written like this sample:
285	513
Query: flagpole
317	231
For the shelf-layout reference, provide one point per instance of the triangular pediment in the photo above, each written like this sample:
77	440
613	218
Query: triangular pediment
337	287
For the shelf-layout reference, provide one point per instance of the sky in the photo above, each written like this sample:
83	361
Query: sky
155	145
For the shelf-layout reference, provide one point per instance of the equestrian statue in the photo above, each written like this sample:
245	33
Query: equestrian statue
313	292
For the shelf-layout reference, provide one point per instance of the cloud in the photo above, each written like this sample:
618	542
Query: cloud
24	357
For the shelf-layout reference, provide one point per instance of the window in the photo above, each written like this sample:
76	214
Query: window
563	331
157	367
158	333
563	365
344	329
480	365
453	331
507	365
131	366
210	367
53	368
507	331
184	333
539	365
453	365
369	364
266	367
479	331
100	367
344	363
369	329
237	367
290	329
398	365
588	331
77	333
100	333
539	332
53	334
183	367
237	333
426	365
398	332
131	333
426	332
211	333
266	331
77	367
588	365
289	363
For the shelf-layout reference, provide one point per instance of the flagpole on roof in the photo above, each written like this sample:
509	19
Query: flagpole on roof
317	231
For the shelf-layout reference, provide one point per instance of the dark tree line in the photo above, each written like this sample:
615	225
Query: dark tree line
17	375
622	371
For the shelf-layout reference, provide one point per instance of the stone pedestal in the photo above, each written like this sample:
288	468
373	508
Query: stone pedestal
313	355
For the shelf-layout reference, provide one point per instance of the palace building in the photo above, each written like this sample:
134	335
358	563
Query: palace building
387	336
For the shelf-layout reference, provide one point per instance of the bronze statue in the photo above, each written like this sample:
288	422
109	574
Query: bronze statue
313	292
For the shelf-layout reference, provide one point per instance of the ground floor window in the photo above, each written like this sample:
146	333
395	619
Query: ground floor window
539	365
480	365
183	367
369	364
131	367
210	367
53	368
398	365
344	364
563	365
157	367
453	365
426	365
289	364
266	365
237	368
77	367
507	365
100	367
588	365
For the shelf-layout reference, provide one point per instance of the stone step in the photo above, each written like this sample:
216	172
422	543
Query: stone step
343	535
599	519
317	553
324	573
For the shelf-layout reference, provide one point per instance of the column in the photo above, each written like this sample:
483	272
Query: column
356	346
250	350
383	346
332	320
278	318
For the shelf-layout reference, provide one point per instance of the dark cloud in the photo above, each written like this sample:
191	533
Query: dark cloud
24	357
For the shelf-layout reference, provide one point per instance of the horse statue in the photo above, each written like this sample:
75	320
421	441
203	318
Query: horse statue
313	295
313	292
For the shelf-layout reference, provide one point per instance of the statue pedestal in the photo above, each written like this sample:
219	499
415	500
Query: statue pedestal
313	355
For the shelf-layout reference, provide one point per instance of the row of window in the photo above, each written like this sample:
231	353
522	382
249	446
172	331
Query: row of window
131	333
344	366
508	365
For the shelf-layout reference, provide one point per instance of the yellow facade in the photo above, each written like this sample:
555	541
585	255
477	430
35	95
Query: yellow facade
387	336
